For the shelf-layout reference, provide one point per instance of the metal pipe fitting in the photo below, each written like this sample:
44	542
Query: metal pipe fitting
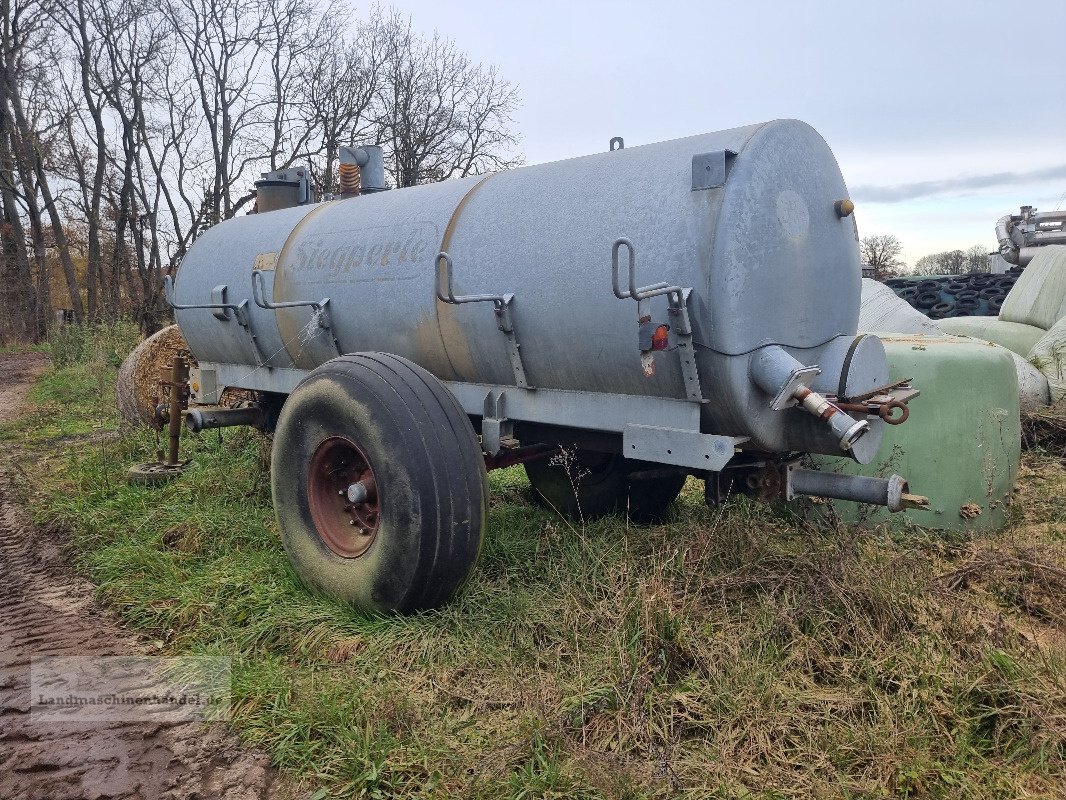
370	160
890	492
788	382
1007	248
200	419
847	429
348	178
780	376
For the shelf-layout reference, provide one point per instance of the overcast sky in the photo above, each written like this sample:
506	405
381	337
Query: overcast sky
943	115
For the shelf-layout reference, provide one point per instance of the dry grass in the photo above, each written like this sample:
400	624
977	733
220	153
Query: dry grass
731	653
1045	430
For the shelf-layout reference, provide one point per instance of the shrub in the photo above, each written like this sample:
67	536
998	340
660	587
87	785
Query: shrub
106	344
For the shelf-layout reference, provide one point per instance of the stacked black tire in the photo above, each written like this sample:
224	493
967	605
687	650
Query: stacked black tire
975	294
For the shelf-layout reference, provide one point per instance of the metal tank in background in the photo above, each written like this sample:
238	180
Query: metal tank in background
1021	235
687	307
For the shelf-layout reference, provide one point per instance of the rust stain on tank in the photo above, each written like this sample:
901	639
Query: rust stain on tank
452	333
428	344
290	326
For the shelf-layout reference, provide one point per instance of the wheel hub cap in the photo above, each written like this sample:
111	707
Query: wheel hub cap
343	497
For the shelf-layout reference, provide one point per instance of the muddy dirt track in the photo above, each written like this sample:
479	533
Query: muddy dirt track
45	610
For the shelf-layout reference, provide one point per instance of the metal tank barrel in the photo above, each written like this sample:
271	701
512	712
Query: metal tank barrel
751	225
615	323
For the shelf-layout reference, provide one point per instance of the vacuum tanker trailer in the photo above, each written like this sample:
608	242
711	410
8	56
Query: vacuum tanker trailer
615	323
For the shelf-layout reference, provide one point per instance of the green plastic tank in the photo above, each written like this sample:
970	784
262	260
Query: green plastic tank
961	445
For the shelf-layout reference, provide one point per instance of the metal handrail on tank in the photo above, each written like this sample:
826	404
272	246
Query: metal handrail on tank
320	307
220	311
446	294
239	309
502	306
651	290
678	300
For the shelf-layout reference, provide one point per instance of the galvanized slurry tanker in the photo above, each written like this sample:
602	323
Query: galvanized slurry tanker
615	322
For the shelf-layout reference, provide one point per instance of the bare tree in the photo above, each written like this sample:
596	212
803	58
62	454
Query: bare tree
883	254
19	23
954	262
40	140
927	265
302	34
977	258
127	127
87	136
444	115
341	86
224	43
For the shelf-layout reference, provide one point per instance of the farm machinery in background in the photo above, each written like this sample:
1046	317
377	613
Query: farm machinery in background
981	294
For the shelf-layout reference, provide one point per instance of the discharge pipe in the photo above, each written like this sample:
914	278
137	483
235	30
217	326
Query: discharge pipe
788	382
362	170
1007	248
201	419
890	492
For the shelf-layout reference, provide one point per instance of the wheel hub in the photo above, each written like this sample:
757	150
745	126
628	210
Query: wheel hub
343	497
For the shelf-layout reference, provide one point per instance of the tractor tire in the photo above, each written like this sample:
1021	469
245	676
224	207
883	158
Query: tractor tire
410	537
584	485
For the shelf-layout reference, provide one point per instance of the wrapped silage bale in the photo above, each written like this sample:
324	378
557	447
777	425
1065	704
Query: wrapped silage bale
1034	390
1015	336
882	310
1039	296
1049	356
961	444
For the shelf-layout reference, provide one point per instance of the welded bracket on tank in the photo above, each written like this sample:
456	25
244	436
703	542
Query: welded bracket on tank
502	306
495	426
320	307
709	170
686	351
677	298
682	448
221	310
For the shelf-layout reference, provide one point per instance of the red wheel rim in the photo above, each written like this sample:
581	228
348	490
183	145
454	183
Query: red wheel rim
346	525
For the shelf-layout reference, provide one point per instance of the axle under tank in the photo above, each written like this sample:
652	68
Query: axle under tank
754	221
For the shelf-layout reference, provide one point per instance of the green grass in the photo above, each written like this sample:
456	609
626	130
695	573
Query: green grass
730	653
